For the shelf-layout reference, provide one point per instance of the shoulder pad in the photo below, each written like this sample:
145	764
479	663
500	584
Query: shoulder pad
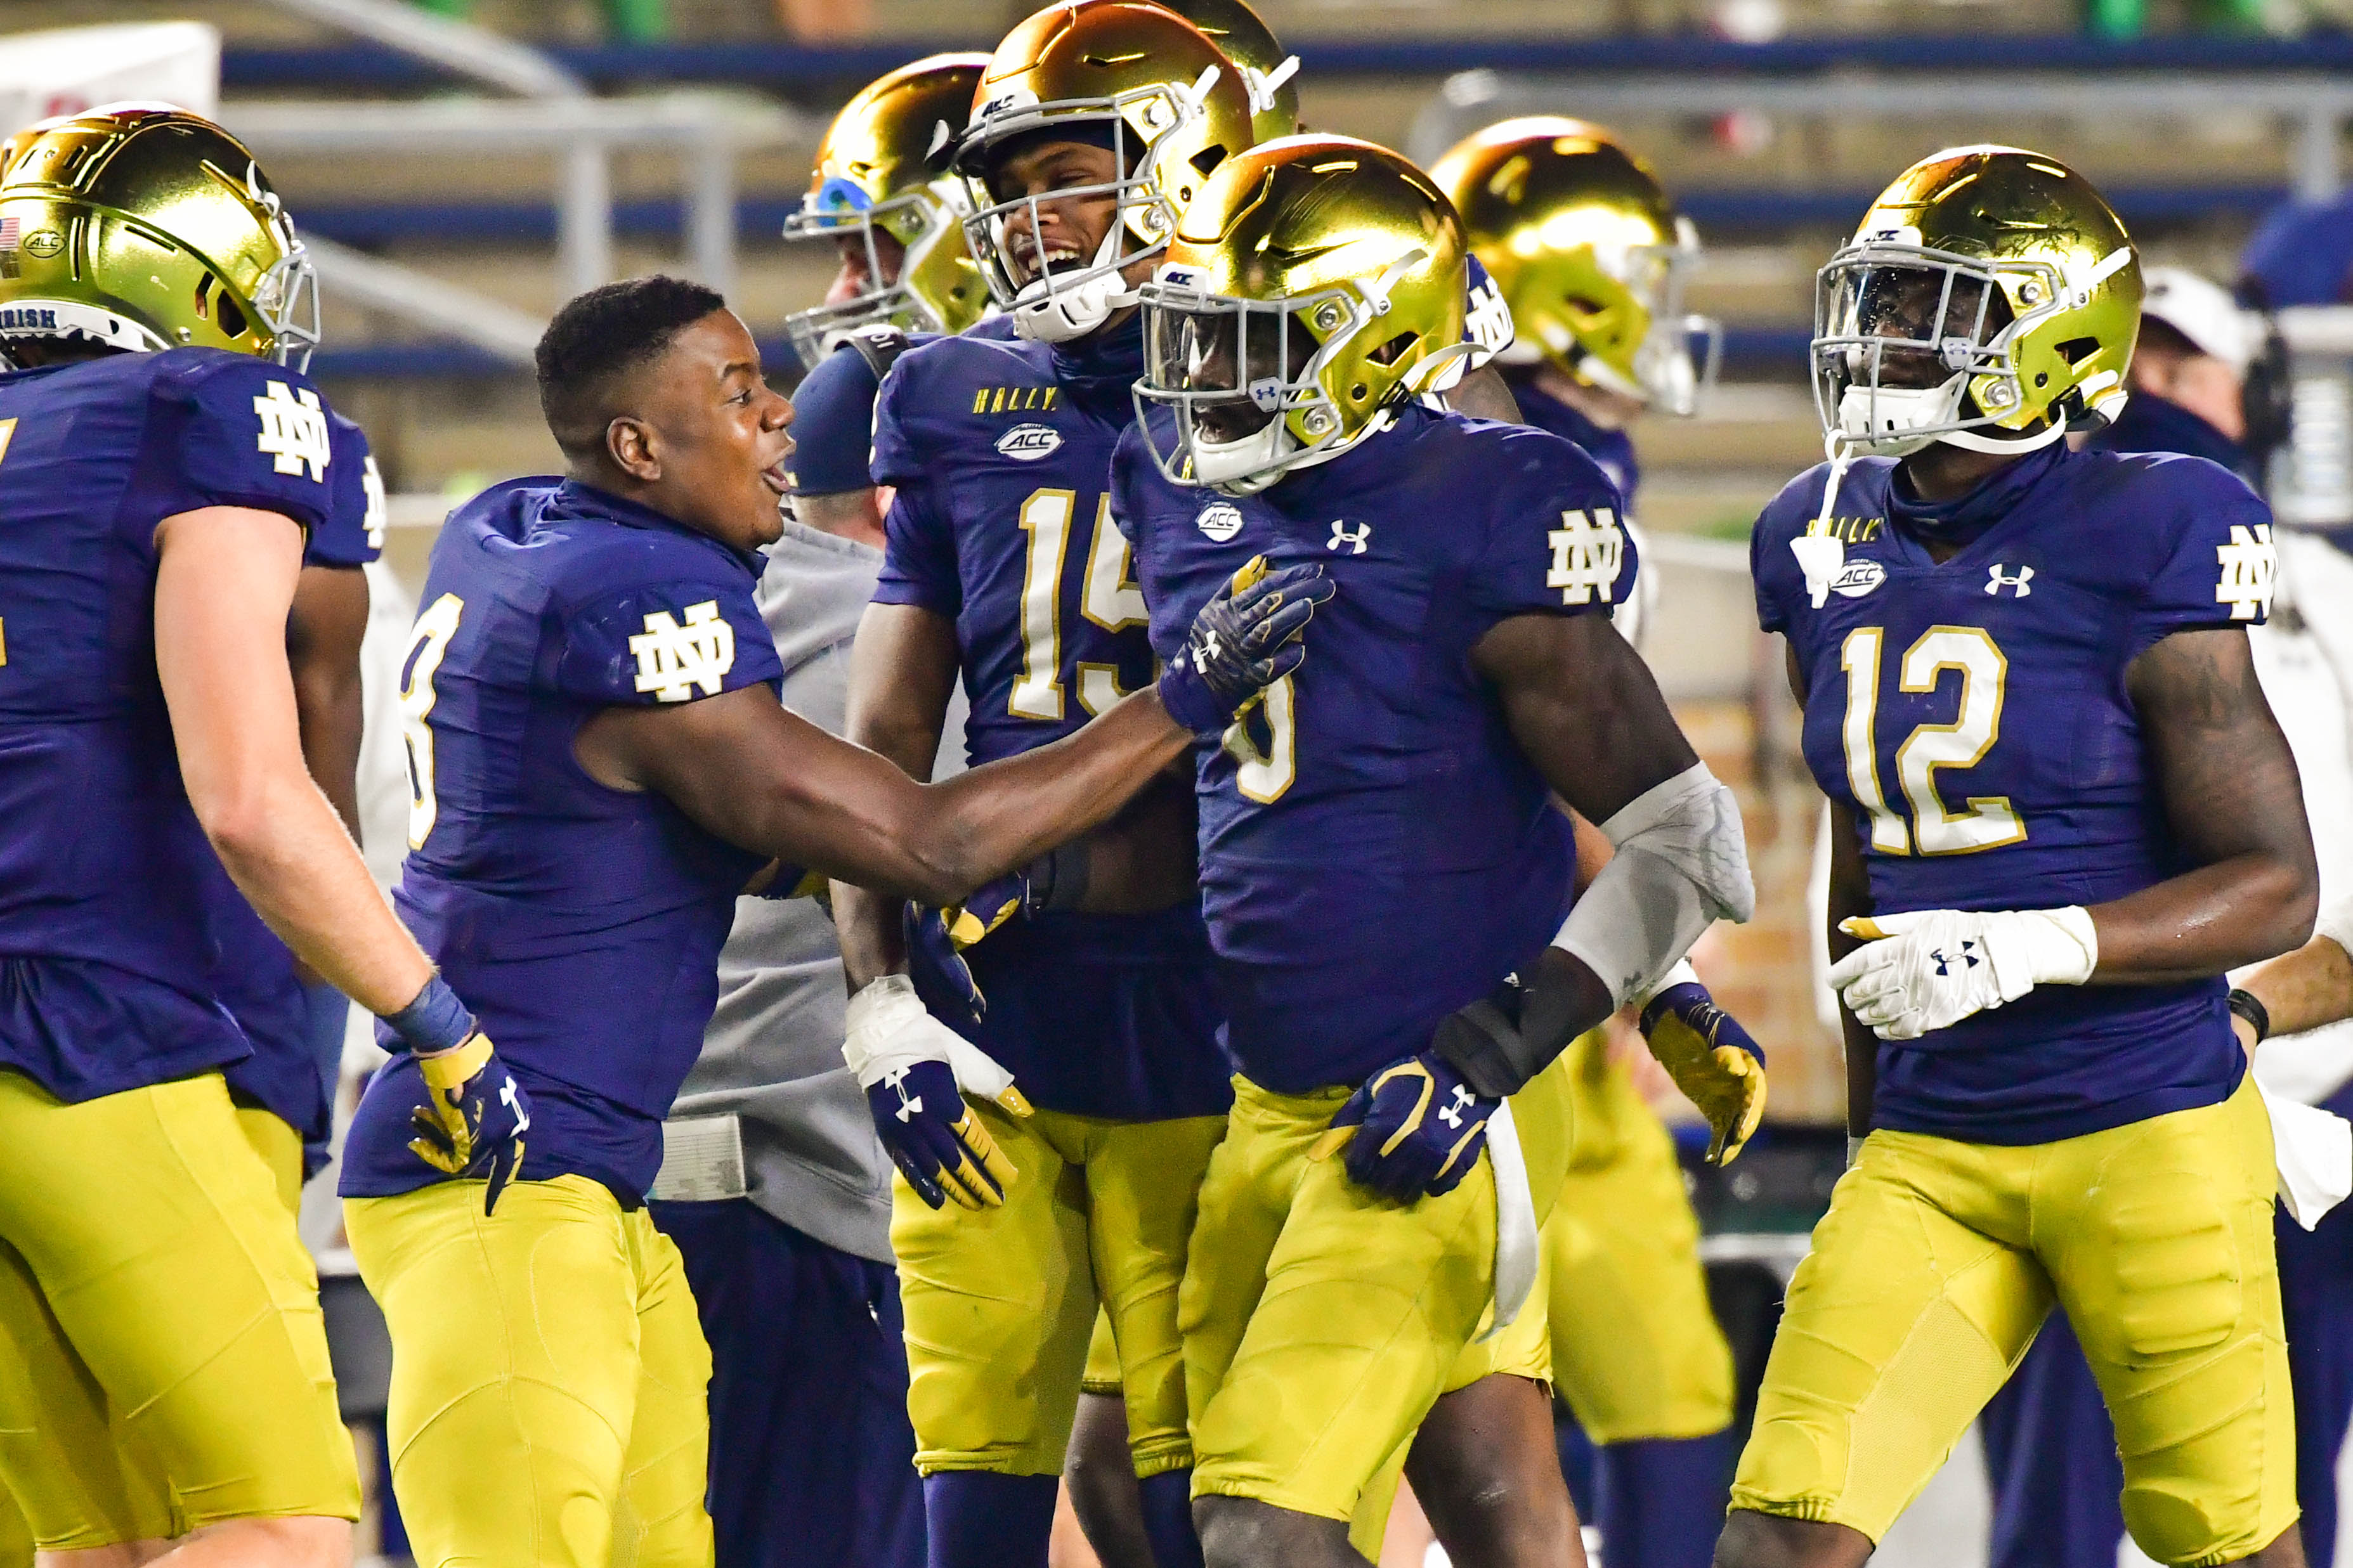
880	345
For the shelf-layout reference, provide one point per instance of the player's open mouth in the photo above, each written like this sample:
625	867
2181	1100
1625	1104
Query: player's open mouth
774	476
1059	258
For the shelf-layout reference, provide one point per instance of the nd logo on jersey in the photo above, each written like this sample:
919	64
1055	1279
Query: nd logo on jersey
673	660
1587	553
293	430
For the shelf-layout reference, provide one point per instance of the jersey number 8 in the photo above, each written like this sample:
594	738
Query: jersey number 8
427	646
1987	822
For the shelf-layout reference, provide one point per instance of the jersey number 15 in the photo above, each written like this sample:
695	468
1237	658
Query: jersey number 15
1985	822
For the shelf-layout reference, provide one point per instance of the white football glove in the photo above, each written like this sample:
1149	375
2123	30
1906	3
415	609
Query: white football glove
1932	968
890	1030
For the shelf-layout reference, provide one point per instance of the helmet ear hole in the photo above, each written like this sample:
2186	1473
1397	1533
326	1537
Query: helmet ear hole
2075	351
232	318
1388	351
1208	159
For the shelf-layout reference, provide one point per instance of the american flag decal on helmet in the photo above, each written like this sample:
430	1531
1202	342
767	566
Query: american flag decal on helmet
10	227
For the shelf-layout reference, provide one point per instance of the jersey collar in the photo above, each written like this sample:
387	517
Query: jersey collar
573	498
1966	517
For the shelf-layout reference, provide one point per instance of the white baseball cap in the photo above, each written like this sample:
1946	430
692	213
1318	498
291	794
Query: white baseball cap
2201	310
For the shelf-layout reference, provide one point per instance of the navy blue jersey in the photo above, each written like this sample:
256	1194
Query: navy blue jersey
1613	450
1000	451
256	975
2154	423
109	892
1376	850
1973	717
582	924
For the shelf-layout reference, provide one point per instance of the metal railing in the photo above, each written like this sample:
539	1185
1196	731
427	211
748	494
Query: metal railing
2317	105
552	117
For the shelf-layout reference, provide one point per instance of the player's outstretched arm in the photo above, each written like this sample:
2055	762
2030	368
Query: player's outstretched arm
223	591
2234	801
756	775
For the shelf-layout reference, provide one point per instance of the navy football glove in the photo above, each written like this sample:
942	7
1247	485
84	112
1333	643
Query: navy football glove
1717	1064
932	1137
474	1118
916	1071
1415	1127
1245	639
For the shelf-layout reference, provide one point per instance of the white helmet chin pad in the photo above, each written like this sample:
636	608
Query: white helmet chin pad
1047	311
1882	420
1246	466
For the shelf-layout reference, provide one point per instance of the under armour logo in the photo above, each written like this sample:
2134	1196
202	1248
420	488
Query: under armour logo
2016	582
2250	566
1353	543
1586	556
1946	962
293	430
1452	1112
511	1098
910	1105
1211	648
673	660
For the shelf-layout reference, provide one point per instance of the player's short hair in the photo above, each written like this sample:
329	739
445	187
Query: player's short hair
597	338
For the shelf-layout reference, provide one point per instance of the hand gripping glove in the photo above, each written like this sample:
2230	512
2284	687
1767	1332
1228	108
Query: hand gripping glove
476	1116
1244	640
937	938
1414	1127
1719	1068
916	1071
1932	968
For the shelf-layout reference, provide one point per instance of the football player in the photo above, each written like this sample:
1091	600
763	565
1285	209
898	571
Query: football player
772	1186
1093	124
165	465
599	763
1384	873
1590	253
2026	677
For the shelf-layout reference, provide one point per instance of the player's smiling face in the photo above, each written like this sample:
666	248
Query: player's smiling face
714	443
1067	231
858	277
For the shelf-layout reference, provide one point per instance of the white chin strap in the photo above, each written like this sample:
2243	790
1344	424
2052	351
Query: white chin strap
1047	313
1881	420
1246	466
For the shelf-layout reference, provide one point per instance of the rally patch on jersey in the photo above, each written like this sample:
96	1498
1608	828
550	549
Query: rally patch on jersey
1028	443
673	660
1014	399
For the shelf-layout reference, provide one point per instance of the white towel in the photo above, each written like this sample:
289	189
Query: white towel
1516	1220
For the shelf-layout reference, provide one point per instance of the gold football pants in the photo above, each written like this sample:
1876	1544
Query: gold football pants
163	1359
999	1304
1938	1261
549	1377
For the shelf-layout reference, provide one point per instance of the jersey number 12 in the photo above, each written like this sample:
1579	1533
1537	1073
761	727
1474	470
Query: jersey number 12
1987	822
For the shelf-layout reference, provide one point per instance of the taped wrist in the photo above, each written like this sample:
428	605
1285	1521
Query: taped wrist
1681	865
434	1020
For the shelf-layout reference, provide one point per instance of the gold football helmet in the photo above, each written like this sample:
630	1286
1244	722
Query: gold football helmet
142	226
1267	71
1137	78
883	166
1315	284
1589	254
1989	300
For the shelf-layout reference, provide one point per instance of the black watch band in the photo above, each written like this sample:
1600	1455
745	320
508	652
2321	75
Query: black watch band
2247	1005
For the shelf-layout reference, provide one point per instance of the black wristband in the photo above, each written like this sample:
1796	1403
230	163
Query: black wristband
2247	1005
1058	881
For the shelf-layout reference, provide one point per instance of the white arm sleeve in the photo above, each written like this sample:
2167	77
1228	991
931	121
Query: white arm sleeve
2336	923
1681	865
